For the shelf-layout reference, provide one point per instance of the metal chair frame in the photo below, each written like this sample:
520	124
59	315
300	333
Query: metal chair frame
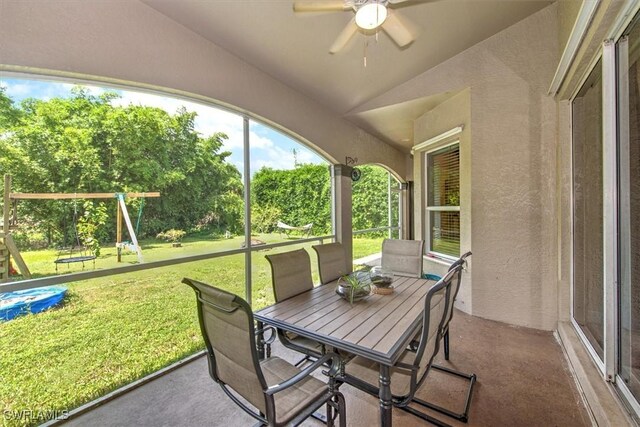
332	398
464	415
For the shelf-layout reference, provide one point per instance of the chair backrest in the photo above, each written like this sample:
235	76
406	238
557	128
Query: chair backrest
290	273
460	261
332	262
403	257
436	303
455	286
226	322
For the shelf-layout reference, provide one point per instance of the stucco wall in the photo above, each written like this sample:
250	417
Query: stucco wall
513	166
454	112
131	42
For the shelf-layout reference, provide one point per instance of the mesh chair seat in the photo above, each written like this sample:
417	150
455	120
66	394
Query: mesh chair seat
369	372
291	401
301	341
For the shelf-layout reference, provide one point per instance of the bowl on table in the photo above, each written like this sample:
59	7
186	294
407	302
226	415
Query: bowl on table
381	277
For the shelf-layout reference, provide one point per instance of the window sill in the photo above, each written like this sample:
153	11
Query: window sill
598	395
438	259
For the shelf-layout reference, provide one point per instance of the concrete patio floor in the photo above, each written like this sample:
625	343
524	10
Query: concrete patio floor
523	380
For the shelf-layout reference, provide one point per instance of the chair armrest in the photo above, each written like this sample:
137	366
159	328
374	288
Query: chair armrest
335	367
271	338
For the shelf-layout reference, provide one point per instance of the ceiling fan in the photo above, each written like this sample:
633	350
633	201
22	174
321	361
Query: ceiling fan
370	16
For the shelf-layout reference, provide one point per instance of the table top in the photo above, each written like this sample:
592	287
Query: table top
378	327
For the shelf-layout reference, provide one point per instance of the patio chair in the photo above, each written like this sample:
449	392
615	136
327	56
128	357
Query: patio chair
332	262
291	276
403	257
460	261
281	393
455	287
408	374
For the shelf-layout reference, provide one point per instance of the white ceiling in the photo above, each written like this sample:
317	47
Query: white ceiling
294	48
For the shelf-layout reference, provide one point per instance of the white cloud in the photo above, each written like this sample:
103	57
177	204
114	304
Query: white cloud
209	120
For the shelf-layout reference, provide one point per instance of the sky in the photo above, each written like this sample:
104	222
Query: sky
268	147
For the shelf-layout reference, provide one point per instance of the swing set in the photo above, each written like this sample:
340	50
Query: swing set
75	254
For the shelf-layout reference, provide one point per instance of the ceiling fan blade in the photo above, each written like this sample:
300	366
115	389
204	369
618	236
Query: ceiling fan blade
397	29
397	1
320	6
344	36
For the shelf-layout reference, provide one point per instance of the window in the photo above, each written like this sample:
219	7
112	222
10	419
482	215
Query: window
588	264
203	161
443	200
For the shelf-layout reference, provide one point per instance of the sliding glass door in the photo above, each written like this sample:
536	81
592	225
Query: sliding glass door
606	212
629	208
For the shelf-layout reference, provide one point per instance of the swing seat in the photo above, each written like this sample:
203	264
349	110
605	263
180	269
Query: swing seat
75	254
73	259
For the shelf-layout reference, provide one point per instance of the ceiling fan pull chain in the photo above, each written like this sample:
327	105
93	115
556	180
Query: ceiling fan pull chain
366	42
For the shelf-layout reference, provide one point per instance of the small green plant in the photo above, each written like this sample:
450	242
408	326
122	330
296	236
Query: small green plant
171	235
354	286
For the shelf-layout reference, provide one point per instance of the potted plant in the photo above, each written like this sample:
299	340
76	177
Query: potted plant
353	287
172	236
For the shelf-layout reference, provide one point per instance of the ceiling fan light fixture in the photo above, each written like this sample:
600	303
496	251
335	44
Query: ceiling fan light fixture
371	15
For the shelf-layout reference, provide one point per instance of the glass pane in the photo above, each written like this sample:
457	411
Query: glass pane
587	209
290	188
375	205
88	139
630	218
108	332
367	247
445	232
370	201
444	177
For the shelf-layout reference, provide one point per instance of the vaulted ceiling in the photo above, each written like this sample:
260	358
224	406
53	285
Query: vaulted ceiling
294	48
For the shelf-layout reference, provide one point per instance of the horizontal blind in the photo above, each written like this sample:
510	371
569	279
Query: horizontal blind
443	169
444	177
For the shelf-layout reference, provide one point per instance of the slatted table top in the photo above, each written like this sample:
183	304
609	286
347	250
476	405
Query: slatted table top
378	327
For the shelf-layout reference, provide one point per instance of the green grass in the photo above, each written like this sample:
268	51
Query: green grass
111	331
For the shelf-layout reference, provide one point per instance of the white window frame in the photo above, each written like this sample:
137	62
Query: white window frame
429	209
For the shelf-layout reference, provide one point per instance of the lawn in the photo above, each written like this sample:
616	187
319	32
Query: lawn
113	330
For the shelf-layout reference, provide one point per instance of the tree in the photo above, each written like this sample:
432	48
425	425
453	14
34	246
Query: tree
86	144
302	195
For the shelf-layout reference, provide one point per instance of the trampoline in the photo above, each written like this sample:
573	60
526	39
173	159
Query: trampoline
17	303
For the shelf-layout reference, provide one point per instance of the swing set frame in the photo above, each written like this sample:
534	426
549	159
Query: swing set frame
8	247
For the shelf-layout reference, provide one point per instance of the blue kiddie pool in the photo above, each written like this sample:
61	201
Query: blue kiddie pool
16	303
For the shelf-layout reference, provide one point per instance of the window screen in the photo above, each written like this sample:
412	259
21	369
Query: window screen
443	200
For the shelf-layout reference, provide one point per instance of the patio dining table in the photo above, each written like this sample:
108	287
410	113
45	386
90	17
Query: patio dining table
378	327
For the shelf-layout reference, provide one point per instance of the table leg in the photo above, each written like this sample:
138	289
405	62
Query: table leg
260	340
385	396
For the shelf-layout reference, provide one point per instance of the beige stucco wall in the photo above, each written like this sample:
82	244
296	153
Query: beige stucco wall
454	112
131	42
513	166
